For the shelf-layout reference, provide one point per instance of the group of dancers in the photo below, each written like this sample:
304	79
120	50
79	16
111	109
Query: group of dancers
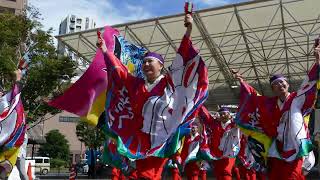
231	159
160	119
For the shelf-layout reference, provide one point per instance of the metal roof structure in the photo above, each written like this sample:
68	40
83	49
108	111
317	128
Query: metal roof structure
258	38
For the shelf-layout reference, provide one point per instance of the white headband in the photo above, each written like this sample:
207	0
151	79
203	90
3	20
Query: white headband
278	79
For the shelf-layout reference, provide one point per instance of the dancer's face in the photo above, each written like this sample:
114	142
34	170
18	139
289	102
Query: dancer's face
194	129
1	93
280	87
151	68
224	116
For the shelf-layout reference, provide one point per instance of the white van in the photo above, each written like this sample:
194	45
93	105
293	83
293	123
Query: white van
14	175
42	164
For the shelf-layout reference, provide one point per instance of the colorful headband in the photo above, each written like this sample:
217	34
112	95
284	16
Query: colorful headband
153	55
223	109
276	78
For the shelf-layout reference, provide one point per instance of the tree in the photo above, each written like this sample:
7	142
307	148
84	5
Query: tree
48	73
13	31
90	135
56	146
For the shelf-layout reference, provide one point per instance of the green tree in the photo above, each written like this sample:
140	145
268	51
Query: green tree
90	135
48	74
58	163
56	146
13	31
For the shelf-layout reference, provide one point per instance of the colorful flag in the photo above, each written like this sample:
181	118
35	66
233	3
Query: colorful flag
12	127
87	97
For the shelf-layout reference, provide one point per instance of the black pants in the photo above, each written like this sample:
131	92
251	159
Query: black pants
92	171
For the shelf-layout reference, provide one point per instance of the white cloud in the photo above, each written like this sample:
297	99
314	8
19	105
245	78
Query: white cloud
101	11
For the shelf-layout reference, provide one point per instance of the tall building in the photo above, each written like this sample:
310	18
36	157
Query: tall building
13	6
73	24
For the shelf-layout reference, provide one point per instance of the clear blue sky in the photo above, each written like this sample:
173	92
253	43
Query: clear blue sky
114	11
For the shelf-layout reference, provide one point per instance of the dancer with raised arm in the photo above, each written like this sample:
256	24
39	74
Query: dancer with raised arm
277	127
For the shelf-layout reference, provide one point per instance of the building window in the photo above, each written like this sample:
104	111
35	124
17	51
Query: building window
7	10
68	119
71	28
79	21
73	18
87	23
78	28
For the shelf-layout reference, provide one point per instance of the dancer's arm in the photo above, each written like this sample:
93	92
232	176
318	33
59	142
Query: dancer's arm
113	64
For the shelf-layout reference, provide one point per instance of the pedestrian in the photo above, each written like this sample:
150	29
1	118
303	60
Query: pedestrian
92	156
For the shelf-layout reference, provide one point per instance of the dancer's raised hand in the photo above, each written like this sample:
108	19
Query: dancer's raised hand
237	75
101	43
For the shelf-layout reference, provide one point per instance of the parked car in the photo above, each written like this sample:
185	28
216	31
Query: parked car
42	164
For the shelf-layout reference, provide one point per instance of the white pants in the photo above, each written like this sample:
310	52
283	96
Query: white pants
21	168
